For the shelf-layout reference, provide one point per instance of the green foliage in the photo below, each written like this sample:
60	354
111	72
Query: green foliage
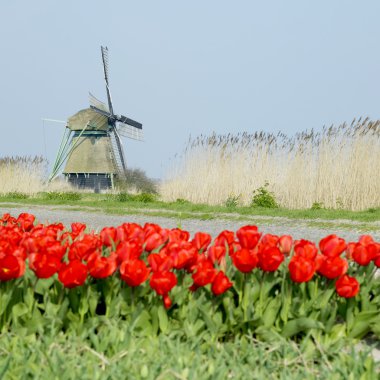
262	197
16	195
232	201
182	201
111	349
317	206
142	197
137	179
62	196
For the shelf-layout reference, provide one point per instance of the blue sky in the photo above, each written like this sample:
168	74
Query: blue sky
186	68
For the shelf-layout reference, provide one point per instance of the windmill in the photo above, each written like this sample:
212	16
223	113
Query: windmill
91	145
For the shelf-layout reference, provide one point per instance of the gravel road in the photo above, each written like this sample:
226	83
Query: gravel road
276	225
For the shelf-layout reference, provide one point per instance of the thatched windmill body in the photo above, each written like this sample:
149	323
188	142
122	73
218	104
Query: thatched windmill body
92	147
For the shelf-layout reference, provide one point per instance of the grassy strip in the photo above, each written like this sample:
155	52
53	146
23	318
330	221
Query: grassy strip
111	204
110	350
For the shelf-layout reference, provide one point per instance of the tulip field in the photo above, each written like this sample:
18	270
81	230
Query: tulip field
150	283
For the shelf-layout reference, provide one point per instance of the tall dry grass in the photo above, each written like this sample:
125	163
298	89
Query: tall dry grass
22	174
27	175
338	167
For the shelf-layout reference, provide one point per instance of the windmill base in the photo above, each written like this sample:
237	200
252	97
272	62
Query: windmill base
94	181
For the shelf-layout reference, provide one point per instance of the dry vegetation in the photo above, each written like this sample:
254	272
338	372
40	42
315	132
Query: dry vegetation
26	175
338	167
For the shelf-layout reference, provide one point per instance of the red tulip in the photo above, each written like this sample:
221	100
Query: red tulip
100	266
220	284
285	243
331	267
134	272
182	253
153	241
163	282
83	248
44	265
201	241
160	262
225	239
301	269
366	239
270	259
11	267
332	246
26	221
77	229
216	254
347	286
177	235
204	274
248	236
364	254
72	274
245	260
129	250
306	249
269	240
108	236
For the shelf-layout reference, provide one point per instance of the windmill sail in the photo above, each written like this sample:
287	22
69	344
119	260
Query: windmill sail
96	103
105	69
133	133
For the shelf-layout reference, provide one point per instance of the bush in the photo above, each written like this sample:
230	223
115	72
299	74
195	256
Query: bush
137	180
145	197
317	206
232	201
62	196
262	197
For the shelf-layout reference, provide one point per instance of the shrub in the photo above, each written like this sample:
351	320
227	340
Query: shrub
317	206
232	201
137	180
262	197
145	197
124	197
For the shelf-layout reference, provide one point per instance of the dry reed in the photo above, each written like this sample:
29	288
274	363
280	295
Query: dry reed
27	175
338	167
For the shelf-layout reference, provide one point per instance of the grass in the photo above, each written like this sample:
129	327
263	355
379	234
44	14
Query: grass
107	349
112	204
335	168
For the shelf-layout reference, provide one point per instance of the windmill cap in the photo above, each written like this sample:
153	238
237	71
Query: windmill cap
88	116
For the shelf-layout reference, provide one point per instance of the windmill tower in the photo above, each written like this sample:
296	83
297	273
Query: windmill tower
92	147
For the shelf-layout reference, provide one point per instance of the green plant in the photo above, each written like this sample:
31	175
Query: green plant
62	196
262	197
317	206
181	201
16	195
123	197
145	197
232	201
137	180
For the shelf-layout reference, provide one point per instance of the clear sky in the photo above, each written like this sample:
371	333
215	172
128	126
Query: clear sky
186	67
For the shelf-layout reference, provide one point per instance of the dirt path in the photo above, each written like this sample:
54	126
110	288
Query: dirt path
298	228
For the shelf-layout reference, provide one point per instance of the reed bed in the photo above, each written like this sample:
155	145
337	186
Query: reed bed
23	175
338	167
